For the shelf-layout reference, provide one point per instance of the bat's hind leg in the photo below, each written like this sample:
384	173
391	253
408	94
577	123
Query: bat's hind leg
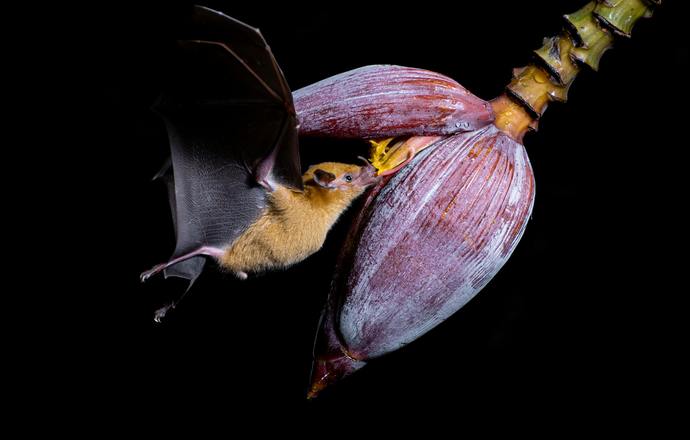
204	250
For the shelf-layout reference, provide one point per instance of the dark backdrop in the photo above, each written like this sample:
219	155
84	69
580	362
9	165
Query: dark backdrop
583	311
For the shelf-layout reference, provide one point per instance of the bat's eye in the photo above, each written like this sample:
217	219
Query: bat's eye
348	178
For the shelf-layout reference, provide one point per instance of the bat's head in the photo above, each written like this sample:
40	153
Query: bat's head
342	176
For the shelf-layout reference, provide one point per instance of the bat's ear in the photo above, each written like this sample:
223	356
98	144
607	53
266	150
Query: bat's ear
324	178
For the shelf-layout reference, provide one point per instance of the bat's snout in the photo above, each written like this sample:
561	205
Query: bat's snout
368	174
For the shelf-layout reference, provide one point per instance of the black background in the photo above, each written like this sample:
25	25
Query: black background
584	311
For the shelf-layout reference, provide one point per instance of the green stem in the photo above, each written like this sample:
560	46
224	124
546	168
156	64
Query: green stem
589	32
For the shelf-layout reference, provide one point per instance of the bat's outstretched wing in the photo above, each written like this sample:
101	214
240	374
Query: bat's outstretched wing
233	135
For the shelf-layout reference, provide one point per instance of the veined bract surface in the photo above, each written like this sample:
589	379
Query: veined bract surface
422	246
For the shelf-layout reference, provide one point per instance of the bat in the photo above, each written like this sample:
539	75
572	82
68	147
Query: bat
234	183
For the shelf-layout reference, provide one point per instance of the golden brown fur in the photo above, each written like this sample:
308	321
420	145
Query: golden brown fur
295	224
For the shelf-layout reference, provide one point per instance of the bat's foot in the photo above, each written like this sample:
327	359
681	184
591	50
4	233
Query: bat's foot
241	275
159	314
151	272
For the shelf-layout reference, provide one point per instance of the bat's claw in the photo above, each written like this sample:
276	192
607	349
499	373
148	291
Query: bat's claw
151	272
159	314
266	184
259	175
